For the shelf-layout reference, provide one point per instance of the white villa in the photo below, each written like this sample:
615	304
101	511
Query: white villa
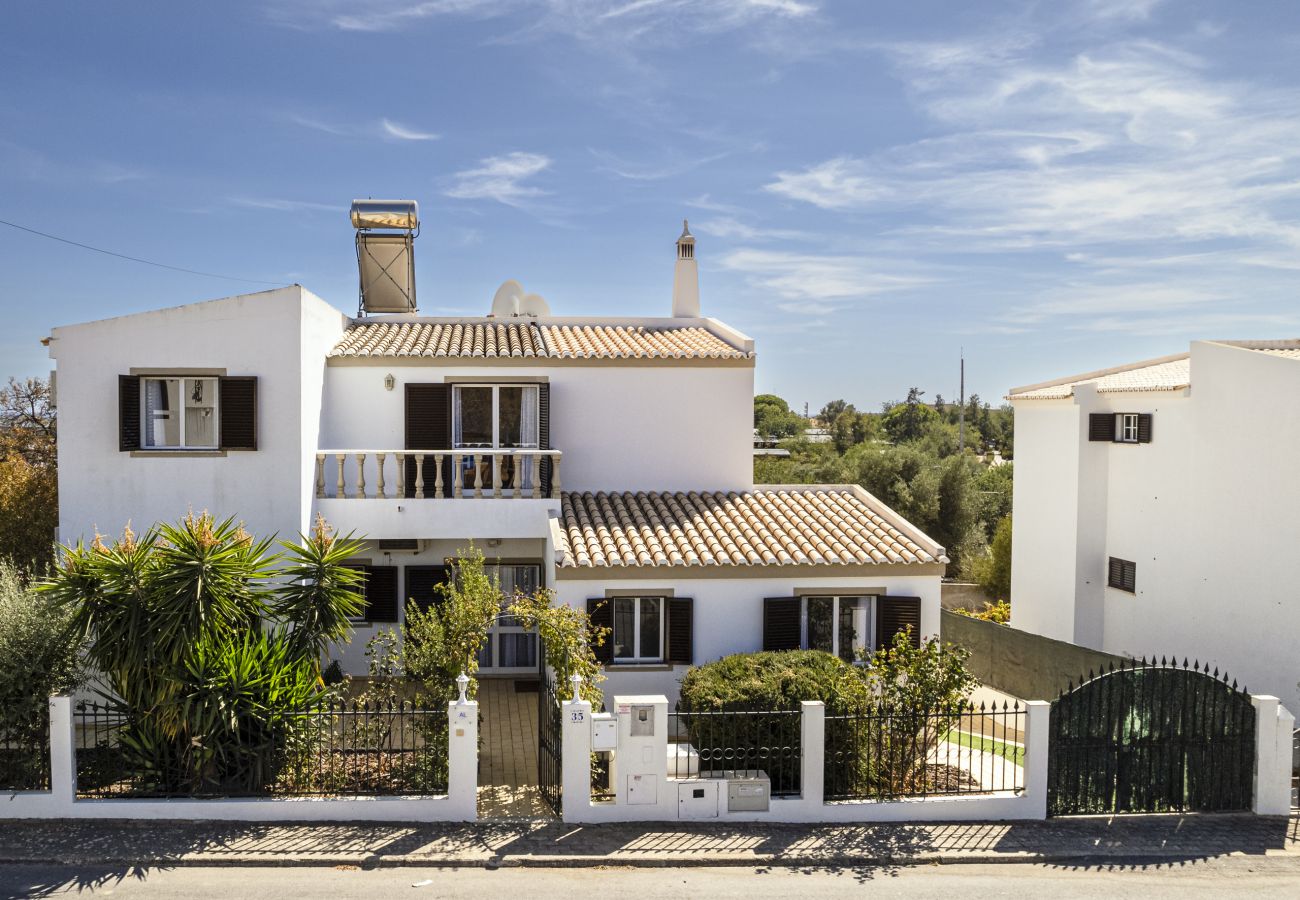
606	458
1156	510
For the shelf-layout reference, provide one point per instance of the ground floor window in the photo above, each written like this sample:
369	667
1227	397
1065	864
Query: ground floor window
838	625
638	629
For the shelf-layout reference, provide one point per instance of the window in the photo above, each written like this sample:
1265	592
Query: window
1126	428
1122	575
495	417
178	413
1120	428
638	635
838	625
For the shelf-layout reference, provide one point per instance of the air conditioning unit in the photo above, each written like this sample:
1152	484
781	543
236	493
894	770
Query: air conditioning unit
411	545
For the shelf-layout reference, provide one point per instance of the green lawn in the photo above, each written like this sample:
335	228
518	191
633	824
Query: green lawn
1010	752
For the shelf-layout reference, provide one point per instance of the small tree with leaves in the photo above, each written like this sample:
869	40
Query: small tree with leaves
569	641
445	639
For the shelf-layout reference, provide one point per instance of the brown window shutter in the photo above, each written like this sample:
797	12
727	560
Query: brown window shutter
1101	427
238	412
544	434
422	583
781	623
680	649
381	593
895	614
1144	428
128	412
1121	574
601	613
428	427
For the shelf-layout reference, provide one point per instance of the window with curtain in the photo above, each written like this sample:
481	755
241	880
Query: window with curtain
497	417
178	413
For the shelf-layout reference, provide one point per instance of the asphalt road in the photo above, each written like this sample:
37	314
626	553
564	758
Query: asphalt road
1232	876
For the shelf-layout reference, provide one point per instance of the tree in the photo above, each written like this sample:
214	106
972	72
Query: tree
906	421
208	648
851	428
831	411
994	572
773	417
569	641
29	506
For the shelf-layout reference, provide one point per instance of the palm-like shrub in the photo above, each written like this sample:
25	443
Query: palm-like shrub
208	648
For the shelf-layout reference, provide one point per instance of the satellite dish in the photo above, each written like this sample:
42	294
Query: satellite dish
533	305
505	304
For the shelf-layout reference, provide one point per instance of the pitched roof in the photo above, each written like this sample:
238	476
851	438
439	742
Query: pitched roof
1169	373
492	339
802	525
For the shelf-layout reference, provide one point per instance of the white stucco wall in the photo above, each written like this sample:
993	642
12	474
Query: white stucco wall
1207	510
619	427
264	334
728	613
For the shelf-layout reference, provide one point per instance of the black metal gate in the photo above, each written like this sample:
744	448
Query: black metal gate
550	731
1151	737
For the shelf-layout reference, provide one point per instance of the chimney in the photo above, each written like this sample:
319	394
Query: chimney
686	278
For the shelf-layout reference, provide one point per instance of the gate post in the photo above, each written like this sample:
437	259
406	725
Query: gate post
63	757
462	759
1037	729
575	760
812	744
1272	786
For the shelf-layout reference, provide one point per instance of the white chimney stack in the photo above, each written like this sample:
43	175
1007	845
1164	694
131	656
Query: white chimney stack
686	278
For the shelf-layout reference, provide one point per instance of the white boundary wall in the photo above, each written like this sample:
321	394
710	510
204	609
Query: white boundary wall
60	802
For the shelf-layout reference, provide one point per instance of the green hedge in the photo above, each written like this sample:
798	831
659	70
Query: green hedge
775	680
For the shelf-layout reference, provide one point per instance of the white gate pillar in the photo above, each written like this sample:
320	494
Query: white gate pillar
575	760
462	759
1272	786
812	741
1037	717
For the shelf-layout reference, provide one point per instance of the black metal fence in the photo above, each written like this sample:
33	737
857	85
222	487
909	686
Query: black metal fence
882	755
25	755
1151	737
738	742
345	748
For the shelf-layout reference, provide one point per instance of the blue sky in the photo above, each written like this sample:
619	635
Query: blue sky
1055	186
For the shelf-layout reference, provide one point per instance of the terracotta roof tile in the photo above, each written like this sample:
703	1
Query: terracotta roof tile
491	339
778	527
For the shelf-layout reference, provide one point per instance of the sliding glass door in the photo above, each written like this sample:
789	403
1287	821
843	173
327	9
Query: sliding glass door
511	649
492	418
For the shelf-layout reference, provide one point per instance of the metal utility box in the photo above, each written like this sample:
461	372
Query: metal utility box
748	792
697	799
642	790
604	732
643	721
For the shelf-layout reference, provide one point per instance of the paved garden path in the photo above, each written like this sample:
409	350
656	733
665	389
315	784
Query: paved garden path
508	751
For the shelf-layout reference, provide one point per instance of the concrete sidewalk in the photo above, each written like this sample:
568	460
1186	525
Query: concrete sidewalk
1078	841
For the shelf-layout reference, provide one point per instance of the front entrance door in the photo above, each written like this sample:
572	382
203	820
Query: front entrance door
511	649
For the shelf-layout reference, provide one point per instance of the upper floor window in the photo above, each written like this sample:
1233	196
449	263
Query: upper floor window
1120	428
1122	575
494	416
178	413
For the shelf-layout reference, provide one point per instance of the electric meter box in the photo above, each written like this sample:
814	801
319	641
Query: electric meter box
604	732
697	798
643	721
642	790
748	791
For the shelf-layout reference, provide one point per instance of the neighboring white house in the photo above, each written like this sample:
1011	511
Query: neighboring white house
1157	510
608	459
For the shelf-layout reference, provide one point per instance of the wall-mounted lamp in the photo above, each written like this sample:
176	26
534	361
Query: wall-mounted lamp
389	382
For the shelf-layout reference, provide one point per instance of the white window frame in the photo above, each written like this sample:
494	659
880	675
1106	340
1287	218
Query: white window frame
1126	428
456	389
186	381
868	640
636	658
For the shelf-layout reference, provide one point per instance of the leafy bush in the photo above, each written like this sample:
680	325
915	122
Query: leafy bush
999	612
774	680
40	655
209	648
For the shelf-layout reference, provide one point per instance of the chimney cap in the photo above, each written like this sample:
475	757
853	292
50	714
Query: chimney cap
687	237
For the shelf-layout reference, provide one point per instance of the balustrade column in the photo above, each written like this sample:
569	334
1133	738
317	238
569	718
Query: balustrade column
437	478
320	475
555	476
419	476
379	464
361	476
457	476
401	475
340	490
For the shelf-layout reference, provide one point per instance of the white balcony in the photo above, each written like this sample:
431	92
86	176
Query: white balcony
497	474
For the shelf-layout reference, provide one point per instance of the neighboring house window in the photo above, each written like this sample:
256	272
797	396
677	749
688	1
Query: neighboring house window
1122	575
1120	428
1126	428
495	417
178	413
842	625
638	634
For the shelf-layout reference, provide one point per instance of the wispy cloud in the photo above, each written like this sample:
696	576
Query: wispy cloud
279	204
728	228
840	183
500	178
403	133
817	284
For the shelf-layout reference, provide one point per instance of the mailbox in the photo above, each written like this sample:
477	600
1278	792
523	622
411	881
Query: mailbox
604	732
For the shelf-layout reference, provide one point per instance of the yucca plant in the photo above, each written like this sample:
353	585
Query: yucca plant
209	648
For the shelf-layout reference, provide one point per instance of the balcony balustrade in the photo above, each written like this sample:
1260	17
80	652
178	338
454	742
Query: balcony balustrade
475	474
